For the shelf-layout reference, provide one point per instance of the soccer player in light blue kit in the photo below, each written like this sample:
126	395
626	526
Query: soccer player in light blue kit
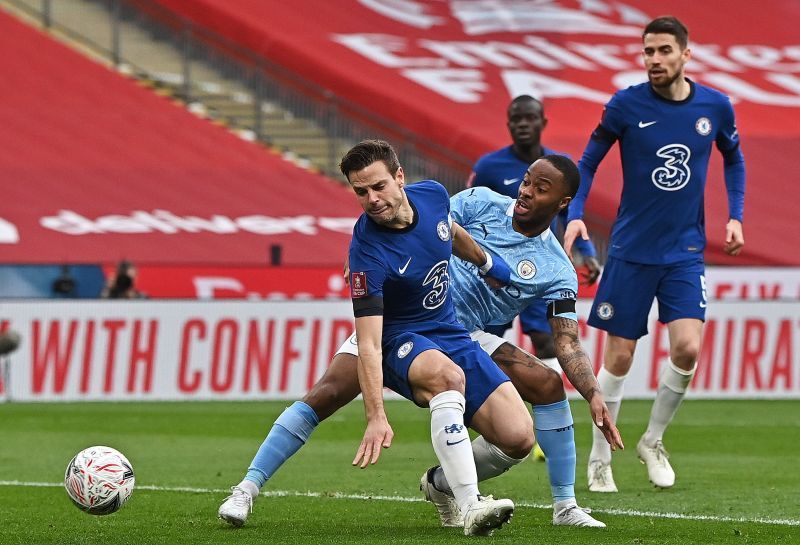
665	129
541	270
502	171
409	339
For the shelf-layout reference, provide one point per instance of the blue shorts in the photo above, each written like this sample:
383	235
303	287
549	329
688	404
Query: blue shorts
627	289
532	318
482	374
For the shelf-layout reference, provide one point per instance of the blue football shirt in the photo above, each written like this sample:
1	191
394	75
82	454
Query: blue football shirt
665	147
407	268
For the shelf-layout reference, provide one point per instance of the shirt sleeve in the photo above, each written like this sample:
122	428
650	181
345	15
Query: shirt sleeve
608	131
466	206
561	296
367	276
727	141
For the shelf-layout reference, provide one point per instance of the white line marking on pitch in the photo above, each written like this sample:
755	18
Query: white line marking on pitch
339	495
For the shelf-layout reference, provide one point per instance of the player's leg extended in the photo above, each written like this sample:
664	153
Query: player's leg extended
534	323
681	305
617	362
543	389
684	337
622	312
338	386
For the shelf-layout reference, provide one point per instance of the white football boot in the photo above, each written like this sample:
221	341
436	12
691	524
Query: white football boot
236	507
656	459
569	514
449	513
600	477
486	515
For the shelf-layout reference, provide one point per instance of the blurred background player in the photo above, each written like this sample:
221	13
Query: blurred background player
665	128
408	333
517	235
502	171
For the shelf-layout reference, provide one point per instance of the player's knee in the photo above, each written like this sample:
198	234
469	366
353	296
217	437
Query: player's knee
517	440
328	396
684	352
618	361
449	377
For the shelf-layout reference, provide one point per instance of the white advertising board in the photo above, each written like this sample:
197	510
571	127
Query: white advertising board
193	350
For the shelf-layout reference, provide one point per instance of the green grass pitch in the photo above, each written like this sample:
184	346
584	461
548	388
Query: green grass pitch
736	462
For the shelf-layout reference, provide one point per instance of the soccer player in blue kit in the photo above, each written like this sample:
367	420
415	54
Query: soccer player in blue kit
665	128
502	171
518	229
409	339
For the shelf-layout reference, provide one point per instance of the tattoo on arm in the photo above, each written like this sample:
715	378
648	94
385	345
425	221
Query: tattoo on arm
508	354
572	358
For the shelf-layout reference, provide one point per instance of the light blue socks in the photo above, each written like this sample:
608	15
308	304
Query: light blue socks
290	432
556	436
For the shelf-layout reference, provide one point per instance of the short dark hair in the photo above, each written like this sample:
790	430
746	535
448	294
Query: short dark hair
525	98
668	24
572	177
367	152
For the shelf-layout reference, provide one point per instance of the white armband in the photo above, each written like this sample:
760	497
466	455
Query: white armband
488	265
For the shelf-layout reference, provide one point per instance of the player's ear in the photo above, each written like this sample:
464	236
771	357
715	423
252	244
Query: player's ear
400	176
564	202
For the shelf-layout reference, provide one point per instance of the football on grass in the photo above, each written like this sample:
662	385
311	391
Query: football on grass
99	480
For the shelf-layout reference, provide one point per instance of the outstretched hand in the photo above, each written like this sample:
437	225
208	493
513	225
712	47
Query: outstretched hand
602	419
378	435
574	228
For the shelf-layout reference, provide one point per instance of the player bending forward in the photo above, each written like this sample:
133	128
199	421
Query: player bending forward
518	231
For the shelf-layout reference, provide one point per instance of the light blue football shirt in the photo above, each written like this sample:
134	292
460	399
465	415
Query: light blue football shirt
539	267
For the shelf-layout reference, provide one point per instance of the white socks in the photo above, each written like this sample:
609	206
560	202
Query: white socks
612	387
672	386
451	444
250	487
490	462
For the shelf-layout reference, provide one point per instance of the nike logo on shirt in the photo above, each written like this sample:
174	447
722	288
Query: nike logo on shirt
455	442
511	181
402	270
642	124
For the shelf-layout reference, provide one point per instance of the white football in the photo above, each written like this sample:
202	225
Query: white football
99	480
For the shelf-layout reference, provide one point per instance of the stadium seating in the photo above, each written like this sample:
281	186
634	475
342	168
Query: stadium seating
91	159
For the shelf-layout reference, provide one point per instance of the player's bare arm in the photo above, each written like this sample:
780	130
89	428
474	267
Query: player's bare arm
465	247
577	367
493	269
379	433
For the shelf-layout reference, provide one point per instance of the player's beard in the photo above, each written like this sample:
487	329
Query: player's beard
664	84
